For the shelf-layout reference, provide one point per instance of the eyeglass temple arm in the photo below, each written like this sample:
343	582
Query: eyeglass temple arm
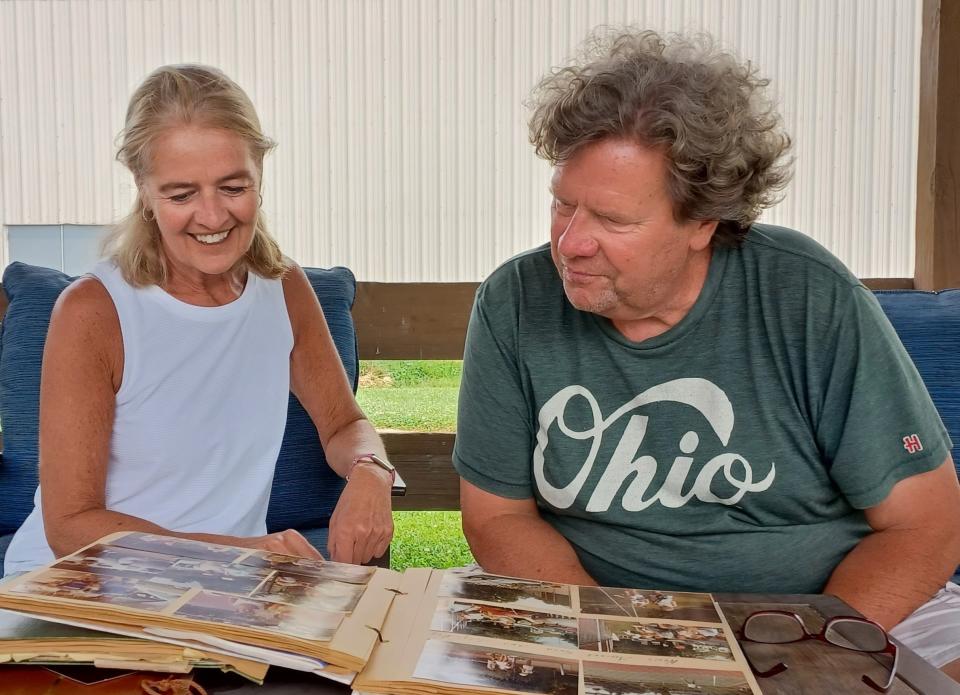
890	649
779	667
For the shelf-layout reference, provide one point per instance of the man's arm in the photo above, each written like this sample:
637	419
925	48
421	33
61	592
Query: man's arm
509	537
913	551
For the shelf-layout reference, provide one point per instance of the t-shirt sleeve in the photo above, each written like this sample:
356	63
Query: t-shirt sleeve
877	424
494	438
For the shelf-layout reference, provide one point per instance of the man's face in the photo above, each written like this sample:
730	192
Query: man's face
616	245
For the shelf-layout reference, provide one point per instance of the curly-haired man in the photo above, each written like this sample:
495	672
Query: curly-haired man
670	395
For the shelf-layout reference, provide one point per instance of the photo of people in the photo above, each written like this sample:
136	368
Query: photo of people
351	574
84	586
451	662
292	621
118	562
179	546
506	591
654	639
619	679
313	592
675	605
216	576
505	623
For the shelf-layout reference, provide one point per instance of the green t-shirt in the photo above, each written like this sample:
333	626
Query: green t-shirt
735	452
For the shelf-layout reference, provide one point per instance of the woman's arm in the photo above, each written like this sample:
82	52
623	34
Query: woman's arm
361	526
82	370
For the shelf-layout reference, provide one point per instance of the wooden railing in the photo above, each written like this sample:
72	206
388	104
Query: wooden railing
428	320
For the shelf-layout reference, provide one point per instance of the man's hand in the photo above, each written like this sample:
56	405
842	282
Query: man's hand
362	524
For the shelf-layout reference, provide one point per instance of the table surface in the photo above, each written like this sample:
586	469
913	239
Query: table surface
813	667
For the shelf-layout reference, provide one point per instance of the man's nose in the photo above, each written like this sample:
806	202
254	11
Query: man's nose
211	212
578	238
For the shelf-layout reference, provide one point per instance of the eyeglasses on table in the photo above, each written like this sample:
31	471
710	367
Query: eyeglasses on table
849	632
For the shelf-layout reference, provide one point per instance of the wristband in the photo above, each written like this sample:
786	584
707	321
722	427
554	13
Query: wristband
376	461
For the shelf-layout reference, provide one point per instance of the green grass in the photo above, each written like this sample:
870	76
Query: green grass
428	539
415	408
417	396
410	372
411	395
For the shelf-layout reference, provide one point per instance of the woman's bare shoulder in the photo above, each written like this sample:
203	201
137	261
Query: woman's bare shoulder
85	312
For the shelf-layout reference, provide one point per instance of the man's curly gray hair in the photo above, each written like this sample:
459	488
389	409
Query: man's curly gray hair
722	138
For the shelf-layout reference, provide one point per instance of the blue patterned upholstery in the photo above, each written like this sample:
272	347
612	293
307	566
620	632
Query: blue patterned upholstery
928	323
304	488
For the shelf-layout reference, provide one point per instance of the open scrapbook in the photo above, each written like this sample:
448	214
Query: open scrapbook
421	631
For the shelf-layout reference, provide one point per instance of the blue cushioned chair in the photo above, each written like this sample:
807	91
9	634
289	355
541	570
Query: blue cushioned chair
305	489
928	323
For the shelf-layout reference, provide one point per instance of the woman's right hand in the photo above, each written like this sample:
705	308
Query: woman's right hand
288	542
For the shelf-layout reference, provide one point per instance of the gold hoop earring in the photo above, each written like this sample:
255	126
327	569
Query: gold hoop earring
143	214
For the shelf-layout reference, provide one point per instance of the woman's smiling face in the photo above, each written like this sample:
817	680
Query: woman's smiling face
203	188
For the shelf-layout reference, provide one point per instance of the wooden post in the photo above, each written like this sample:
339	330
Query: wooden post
938	155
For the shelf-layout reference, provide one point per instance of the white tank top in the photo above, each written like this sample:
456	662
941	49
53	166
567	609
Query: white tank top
200	413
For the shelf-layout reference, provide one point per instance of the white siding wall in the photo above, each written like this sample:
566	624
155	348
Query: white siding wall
403	149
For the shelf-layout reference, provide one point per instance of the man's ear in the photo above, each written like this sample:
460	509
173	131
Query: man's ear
701	233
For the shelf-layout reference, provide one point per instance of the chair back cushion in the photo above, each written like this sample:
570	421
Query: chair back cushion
928	324
32	291
304	488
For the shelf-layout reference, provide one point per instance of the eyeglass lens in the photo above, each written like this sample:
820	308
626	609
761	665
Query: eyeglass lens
773	628
856	634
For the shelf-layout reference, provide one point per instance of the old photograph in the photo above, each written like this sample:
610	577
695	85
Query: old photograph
351	574
675	605
507	591
216	576
654	639
313	592
618	679
505	623
470	665
295	621
84	586
179	546
119	562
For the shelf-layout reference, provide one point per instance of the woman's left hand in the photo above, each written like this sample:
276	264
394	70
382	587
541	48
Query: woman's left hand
362	523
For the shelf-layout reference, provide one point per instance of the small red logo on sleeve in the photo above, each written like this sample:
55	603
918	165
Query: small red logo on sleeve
912	444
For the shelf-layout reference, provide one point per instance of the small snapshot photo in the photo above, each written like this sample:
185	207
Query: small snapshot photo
118	562
654	639
181	547
512	624
675	605
293	621
351	574
619	679
506	591
118	591
216	576
312	592
471	665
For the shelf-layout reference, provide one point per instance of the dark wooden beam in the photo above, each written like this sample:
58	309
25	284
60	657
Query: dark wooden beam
938	154
888	283
412	320
425	464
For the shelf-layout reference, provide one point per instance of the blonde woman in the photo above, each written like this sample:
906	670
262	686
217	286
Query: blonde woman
166	372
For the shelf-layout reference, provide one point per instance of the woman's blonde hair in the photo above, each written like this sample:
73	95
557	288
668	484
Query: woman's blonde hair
176	95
